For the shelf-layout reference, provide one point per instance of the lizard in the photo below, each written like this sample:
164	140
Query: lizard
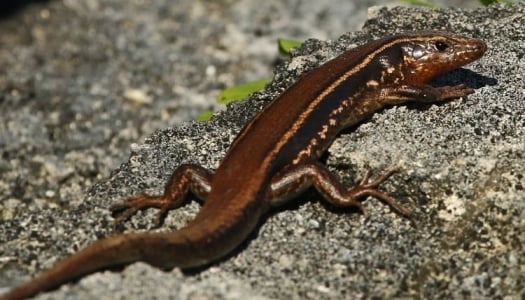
275	156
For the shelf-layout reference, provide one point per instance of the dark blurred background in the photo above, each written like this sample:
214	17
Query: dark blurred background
9	7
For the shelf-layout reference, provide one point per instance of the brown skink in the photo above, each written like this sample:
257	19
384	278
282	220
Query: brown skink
275	156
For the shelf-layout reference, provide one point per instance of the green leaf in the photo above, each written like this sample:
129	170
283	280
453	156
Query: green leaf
205	116
241	91
286	45
488	2
420	3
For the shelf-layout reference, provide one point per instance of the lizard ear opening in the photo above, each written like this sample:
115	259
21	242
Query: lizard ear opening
414	51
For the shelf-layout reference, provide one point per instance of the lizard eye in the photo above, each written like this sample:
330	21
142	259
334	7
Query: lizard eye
441	46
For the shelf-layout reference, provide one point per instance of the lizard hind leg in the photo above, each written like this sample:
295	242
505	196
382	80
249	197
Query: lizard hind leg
187	177
294	179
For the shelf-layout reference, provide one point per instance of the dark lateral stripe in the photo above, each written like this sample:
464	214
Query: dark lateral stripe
311	109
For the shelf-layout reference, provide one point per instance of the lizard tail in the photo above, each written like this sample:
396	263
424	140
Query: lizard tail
107	253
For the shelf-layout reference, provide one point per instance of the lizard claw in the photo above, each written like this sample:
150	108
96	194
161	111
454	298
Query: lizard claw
122	211
161	215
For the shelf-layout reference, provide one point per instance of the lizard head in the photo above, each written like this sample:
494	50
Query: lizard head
429	54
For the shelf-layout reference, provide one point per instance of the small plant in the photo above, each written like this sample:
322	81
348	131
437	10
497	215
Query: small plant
241	91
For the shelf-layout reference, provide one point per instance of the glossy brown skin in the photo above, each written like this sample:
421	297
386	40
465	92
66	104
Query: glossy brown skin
275	156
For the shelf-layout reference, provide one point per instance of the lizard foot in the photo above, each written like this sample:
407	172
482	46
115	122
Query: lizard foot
370	188
122	211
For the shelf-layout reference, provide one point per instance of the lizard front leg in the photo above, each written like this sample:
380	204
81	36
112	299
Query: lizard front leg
395	94
187	177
